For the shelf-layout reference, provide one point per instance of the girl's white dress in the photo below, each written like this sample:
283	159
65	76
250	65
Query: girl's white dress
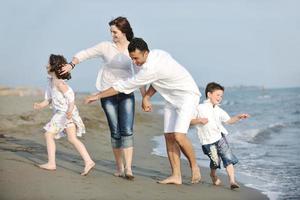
59	103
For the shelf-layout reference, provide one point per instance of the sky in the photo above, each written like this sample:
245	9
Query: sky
232	42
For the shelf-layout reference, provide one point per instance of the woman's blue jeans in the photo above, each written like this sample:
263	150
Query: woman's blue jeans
119	110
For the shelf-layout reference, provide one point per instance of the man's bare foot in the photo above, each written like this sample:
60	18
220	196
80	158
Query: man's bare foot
88	168
48	166
171	180
216	181
234	186
196	176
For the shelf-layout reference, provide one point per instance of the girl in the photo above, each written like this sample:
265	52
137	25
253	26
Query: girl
65	117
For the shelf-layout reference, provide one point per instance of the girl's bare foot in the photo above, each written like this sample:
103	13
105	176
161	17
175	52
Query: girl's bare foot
215	179
48	166
88	168
171	180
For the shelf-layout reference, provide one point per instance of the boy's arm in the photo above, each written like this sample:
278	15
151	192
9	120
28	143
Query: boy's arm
237	118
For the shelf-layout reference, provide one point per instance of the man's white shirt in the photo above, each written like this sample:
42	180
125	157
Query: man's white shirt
167	77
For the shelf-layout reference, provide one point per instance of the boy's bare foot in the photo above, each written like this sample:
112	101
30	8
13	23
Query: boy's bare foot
216	181
47	166
171	180
88	168
234	186
196	176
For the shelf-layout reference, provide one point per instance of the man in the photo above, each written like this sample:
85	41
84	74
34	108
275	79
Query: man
177	87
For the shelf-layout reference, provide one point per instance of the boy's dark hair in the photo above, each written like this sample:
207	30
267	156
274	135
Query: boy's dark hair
124	26
211	87
56	62
137	43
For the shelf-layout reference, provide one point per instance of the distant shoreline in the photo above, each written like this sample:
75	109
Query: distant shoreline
37	91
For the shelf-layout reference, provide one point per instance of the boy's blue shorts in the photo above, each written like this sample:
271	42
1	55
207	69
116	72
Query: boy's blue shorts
218	151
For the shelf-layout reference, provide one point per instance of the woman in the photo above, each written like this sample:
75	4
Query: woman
119	109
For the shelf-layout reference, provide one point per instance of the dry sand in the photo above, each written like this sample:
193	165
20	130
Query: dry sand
22	146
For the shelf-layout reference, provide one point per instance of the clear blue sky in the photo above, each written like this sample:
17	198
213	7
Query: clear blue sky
233	42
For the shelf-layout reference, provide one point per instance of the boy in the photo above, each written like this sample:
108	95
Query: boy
209	118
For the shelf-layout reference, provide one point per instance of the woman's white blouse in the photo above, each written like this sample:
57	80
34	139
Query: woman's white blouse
116	65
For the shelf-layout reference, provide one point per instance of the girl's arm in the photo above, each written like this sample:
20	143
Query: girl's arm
237	118
40	105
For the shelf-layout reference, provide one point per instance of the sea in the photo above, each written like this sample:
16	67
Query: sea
266	144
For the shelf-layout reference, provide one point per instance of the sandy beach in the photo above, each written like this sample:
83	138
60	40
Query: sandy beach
22	146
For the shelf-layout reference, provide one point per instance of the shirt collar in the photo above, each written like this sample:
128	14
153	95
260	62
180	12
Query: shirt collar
207	101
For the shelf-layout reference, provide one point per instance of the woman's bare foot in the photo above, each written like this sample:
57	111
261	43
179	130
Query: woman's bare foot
119	174
171	180
196	176
216	181
129	175
88	168
48	166
234	186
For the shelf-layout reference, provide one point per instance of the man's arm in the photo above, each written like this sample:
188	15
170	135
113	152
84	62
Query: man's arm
150	92
146	104
106	93
143	90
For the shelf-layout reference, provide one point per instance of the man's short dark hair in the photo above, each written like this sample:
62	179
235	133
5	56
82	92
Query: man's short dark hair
211	87
137	43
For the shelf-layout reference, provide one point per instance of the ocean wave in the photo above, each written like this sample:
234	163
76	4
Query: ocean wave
297	112
296	124
265	134
258	136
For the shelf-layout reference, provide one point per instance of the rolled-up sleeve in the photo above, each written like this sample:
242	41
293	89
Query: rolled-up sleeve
143	77
224	117
47	95
93	52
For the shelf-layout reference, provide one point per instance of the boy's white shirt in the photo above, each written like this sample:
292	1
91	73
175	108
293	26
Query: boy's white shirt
211	132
